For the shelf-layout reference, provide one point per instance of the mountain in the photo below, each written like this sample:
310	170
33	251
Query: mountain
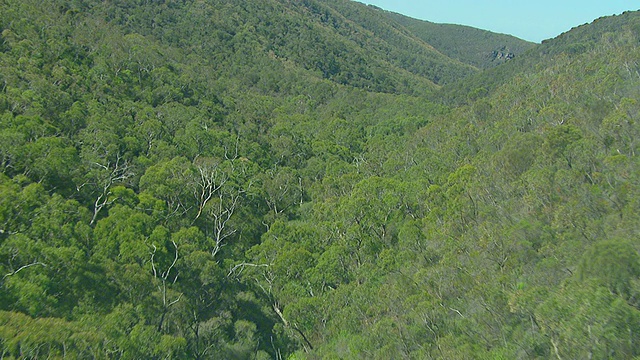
282	179
579	41
480	48
364	50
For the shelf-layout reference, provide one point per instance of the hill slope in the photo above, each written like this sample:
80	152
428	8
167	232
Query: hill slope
312	35
277	179
578	41
480	48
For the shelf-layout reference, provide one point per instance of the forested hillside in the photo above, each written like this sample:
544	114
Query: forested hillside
480	48
217	179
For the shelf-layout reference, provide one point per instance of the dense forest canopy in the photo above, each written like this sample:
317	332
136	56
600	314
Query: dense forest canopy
317	179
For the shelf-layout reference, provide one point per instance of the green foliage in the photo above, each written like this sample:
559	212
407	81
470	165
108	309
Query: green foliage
614	265
589	321
234	179
27	337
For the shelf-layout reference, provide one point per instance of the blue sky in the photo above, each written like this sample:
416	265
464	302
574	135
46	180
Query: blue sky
529	20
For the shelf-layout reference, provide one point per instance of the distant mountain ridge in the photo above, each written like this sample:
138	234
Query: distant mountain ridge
344	41
579	40
480	48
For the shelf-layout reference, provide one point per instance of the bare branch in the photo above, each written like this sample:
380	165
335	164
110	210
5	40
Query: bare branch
166	274
175	301
117	172
153	266
211	181
457	311
22	268
235	155
162	287
243	266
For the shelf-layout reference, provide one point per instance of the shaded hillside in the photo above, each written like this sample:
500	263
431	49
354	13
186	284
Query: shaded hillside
282	180
311	35
580	40
480	48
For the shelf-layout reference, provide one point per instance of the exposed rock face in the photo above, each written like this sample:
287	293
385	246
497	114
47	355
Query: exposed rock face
503	54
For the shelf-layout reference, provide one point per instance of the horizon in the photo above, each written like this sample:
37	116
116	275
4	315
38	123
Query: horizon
533	22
